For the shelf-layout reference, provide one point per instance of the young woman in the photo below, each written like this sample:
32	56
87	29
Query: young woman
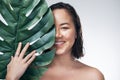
69	46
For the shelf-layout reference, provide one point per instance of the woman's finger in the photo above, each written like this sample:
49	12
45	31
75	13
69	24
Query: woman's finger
31	60
18	49
29	56
10	61
24	50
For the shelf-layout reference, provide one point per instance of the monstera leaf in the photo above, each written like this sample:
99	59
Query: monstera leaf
26	21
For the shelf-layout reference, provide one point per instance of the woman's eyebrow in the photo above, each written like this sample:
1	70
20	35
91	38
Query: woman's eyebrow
64	24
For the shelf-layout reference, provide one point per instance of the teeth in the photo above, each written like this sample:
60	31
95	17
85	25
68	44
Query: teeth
60	42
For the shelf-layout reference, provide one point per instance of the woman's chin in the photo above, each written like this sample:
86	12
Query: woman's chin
59	52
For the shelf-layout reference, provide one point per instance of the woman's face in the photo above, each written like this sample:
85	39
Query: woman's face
65	31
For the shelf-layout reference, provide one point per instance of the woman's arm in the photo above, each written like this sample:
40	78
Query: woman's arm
18	64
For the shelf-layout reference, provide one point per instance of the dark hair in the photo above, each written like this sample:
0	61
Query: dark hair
77	49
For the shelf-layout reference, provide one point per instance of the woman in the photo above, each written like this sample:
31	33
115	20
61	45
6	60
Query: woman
69	46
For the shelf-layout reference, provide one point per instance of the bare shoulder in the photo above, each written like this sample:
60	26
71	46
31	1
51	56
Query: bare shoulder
91	73
94	73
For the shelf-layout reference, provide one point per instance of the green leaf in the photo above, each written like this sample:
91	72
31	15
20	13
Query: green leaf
26	21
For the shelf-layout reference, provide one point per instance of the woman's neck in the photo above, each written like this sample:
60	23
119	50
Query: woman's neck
63	60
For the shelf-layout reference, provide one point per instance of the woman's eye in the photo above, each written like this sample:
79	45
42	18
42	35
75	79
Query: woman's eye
65	27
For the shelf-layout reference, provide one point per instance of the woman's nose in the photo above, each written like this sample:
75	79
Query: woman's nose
58	33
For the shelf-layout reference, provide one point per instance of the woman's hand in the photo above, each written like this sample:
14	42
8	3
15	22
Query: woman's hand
18	64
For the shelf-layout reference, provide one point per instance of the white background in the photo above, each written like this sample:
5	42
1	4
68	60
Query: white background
100	21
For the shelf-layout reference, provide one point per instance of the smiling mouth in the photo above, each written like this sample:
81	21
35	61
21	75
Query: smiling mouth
59	42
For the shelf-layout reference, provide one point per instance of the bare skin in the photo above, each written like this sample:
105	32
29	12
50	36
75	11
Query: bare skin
78	71
18	62
64	65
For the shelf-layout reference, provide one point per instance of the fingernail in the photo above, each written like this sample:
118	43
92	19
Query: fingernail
20	42
28	42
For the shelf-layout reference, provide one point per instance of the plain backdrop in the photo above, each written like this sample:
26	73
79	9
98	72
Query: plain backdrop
100	21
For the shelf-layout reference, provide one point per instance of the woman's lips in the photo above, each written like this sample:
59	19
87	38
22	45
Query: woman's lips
59	43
